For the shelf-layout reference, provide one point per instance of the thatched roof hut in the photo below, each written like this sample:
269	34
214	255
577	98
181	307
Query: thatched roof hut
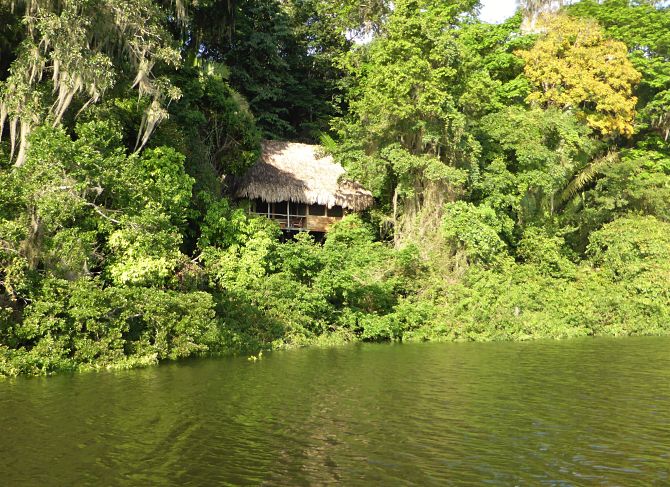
289	171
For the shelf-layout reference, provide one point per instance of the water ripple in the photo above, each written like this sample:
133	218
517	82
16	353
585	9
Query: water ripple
583	412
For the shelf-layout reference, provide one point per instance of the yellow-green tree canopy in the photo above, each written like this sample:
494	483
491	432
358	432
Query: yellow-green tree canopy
575	67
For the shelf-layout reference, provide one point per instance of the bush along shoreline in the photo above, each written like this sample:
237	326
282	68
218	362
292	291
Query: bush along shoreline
260	294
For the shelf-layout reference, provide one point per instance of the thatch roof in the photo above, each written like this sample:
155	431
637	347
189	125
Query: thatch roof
288	171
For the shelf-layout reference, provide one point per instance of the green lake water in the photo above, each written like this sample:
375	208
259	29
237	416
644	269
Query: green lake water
580	412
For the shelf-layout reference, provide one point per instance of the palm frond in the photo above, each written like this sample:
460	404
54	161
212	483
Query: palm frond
587	175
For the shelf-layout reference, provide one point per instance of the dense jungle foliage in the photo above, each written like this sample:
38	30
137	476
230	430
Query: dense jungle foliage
521	174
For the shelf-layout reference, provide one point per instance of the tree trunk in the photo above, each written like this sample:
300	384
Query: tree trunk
396	237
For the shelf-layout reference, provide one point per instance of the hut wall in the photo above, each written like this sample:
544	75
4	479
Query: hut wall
320	223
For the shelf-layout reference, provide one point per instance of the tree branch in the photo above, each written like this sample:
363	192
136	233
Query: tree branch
97	209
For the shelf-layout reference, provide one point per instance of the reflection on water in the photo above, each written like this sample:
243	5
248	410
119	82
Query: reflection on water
583	412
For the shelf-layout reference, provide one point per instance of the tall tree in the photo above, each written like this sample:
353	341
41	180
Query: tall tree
574	66
281	57
404	110
645	28
533	9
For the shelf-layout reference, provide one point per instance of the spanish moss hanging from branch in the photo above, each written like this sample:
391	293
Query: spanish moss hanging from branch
78	43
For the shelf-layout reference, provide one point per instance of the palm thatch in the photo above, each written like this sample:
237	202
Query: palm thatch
289	171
